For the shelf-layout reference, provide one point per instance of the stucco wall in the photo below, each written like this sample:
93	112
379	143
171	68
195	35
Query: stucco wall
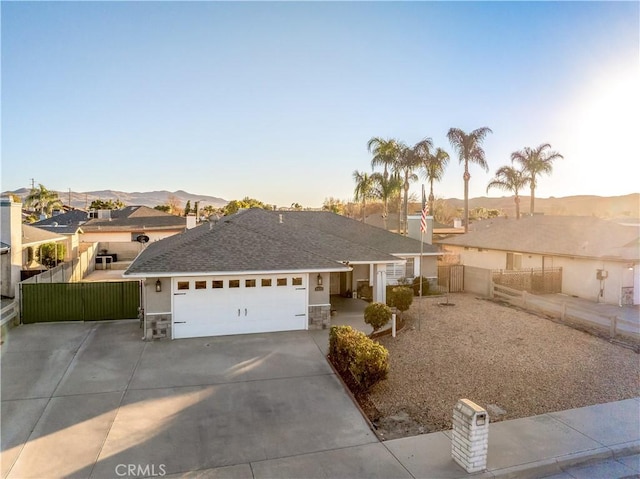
477	280
578	274
321	296
157	302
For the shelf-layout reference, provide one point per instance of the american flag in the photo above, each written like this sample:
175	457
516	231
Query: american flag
423	219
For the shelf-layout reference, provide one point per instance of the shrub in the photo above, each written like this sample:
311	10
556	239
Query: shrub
377	315
416	286
358	357
401	298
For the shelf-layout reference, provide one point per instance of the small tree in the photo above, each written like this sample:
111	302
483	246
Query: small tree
51	254
416	286
377	315
187	208
401	298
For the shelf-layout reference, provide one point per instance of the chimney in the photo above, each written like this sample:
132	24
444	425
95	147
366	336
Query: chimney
191	221
11	234
280	218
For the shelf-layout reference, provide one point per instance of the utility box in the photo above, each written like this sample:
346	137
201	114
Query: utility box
470	438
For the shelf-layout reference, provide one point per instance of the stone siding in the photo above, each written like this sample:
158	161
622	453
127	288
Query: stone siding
320	317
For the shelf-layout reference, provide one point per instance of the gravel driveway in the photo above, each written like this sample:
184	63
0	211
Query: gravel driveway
513	363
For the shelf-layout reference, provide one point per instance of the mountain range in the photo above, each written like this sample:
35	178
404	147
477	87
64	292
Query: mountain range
582	205
148	198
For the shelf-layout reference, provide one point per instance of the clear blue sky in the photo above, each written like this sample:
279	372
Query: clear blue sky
278	100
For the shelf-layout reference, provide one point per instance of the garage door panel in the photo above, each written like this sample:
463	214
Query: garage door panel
246	309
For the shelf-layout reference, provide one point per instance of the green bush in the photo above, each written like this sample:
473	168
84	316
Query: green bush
416	286
377	315
401	298
51	254
358	357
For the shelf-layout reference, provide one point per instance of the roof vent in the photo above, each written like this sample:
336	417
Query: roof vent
280	218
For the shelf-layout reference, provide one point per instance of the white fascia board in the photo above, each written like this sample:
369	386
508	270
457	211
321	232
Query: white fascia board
417	255
400	260
237	273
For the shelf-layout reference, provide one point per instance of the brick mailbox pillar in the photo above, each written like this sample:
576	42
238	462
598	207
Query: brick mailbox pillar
470	438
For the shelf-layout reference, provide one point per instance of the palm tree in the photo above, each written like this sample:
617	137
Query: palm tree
384	189
535	161
412	159
509	178
469	148
385	153
434	166
408	160
363	190
43	200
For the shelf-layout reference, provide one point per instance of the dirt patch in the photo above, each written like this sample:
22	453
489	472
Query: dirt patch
511	362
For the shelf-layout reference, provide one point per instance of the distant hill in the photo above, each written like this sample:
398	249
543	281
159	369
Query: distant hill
149	198
583	205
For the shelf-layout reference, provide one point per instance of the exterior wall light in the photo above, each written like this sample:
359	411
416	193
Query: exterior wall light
319	279
158	286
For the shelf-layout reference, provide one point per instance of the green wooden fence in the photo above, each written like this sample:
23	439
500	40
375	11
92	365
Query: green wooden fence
49	302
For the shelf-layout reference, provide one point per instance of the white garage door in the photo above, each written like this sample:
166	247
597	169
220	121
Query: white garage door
216	306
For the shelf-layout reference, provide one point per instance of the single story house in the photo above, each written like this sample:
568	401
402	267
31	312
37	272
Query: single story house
69	225
263	271
125	231
599	258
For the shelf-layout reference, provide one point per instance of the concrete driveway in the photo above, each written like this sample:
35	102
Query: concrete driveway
93	400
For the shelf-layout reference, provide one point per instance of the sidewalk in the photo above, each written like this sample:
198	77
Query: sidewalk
551	444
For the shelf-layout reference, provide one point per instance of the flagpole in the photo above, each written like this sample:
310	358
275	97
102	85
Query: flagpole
420	279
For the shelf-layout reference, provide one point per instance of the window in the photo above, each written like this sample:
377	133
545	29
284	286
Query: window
217	283
514	261
183	285
281	281
201	285
395	271
409	268
265	282
249	283
234	283
296	281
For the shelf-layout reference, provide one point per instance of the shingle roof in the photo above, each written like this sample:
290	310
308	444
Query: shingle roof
255	240
32	235
580	236
66	223
136	218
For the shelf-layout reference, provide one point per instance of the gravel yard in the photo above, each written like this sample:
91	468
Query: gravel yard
511	362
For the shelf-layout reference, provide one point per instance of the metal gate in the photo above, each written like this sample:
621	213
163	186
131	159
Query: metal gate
451	278
49	302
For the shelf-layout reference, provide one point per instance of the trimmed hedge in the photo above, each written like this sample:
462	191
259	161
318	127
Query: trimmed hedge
358	357
401	298
416	286
377	315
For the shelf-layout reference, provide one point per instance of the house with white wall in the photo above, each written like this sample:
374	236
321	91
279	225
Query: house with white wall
263	271
599	258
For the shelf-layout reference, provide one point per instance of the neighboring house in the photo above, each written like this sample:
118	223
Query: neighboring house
263	271
124	231
599	259
67	224
32	239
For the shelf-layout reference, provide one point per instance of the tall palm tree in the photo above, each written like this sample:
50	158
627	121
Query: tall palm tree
535	161
469	148
385	153
409	160
434	166
509	178
363	190
384	190
43	200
